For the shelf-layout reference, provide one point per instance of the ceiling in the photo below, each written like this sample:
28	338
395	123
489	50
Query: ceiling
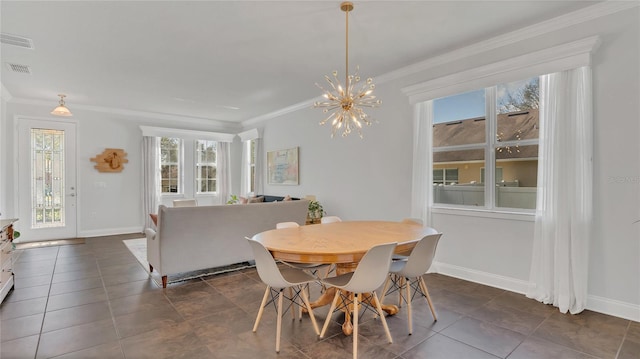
232	60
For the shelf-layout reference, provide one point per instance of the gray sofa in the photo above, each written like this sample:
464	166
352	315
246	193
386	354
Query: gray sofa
195	238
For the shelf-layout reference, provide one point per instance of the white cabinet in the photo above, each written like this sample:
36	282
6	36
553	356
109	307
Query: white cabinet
6	262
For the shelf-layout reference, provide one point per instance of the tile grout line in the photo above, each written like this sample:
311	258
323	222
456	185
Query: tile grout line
624	337
46	303
106	293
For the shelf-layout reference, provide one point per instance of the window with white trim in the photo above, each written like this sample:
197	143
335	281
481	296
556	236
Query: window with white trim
170	165
206	166
489	139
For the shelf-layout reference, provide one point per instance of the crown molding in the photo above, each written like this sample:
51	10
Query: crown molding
210	123
251	134
186	134
558	58
271	115
541	28
557	23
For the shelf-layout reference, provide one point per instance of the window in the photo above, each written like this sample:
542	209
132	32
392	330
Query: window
495	128
206	167
47	182
445	175
170	168
252	165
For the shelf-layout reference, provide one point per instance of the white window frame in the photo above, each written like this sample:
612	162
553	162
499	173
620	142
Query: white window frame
249	139
188	158
550	60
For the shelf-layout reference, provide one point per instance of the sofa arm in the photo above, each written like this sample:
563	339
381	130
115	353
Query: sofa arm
150	233
153	249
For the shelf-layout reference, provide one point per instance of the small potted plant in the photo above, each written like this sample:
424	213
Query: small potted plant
233	200
315	212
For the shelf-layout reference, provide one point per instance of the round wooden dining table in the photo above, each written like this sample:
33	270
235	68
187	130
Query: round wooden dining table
342	244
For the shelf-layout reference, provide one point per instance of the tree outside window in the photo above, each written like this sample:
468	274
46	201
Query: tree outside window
170	165
206	166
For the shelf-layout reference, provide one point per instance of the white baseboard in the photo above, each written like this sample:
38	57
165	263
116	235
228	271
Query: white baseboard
613	307
598	304
110	232
472	275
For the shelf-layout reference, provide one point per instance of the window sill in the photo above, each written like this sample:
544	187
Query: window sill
510	214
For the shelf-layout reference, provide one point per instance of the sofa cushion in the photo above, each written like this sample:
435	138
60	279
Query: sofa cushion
256	199
268	198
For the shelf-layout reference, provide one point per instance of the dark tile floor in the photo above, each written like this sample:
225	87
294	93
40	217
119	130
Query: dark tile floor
94	300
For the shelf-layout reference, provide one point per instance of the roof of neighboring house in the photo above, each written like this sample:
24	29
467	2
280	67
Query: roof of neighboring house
512	126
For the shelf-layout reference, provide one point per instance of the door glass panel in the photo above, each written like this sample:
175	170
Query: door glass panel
47	182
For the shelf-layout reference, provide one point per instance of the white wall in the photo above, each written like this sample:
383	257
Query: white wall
353	178
371	178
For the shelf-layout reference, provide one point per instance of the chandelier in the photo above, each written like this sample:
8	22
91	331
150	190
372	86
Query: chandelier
345	104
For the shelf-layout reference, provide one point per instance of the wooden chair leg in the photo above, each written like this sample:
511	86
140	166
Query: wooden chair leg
400	287
381	313
408	285
261	310
329	315
279	321
150	268
423	286
305	299
164	281
294	309
385	287
355	325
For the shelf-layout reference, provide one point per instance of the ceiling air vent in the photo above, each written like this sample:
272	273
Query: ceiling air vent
23	69
16	40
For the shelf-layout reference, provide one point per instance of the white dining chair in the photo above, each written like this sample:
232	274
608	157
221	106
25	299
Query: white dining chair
282	225
407	275
400	257
277	280
312	268
368	276
330	219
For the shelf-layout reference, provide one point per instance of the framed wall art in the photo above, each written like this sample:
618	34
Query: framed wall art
282	166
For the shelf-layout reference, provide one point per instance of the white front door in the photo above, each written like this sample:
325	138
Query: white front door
47	180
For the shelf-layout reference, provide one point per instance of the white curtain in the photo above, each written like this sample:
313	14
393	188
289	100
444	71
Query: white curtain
559	268
150	178
224	171
245	174
259	167
421	187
